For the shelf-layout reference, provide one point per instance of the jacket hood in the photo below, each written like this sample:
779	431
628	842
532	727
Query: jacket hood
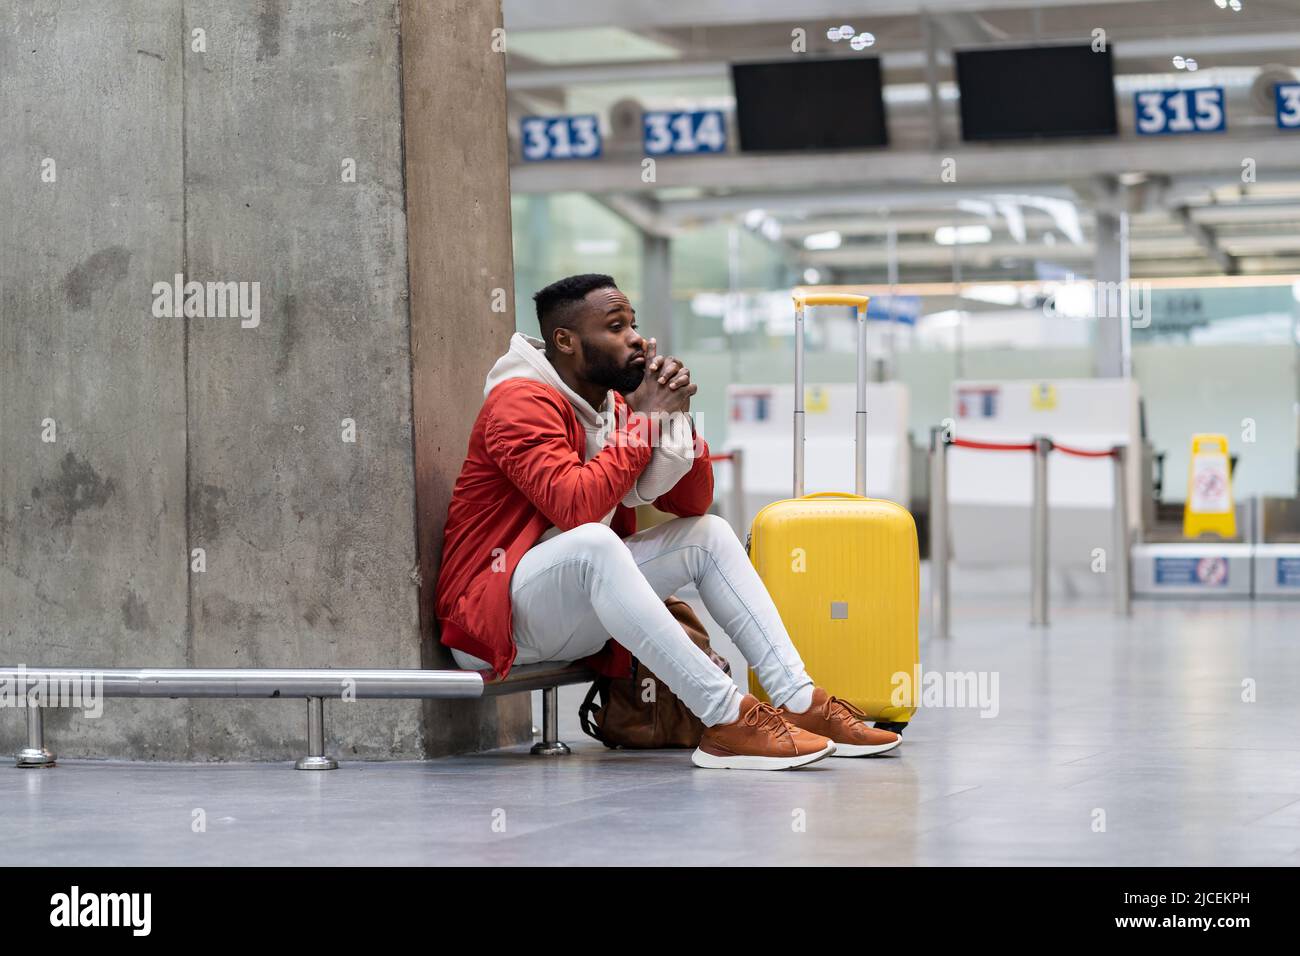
526	358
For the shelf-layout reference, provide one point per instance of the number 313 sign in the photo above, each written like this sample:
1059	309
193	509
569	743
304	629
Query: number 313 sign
559	137
1161	112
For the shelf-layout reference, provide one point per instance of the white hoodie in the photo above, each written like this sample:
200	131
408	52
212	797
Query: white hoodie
672	457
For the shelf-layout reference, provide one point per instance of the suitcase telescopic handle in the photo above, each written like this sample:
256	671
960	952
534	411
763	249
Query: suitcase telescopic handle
858	302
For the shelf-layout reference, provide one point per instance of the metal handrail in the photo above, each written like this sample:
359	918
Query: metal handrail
235	682
315	685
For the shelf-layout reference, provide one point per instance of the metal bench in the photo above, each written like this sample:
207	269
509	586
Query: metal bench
313	685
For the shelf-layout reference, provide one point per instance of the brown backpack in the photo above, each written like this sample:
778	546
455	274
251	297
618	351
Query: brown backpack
625	718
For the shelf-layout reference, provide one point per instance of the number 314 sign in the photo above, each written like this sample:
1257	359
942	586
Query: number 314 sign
667	133
1161	112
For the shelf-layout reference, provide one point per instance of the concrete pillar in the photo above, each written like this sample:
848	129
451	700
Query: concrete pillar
1111	345
92	386
655	310
256	491
461	276
300	453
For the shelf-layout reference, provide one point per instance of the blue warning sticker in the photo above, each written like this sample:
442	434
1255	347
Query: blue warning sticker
1203	572
1288	572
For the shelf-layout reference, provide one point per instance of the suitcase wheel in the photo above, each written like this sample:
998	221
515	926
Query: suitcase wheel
890	725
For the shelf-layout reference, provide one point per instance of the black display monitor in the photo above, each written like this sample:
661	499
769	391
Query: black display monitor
834	103
1034	92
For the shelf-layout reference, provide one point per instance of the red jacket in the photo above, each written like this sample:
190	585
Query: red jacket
524	473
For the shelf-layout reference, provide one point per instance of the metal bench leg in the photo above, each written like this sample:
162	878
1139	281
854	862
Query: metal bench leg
550	745
35	754
316	759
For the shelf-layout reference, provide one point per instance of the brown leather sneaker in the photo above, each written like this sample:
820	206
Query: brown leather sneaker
759	740
844	724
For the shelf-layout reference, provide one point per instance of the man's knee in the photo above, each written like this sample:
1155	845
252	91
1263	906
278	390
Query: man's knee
712	531
594	538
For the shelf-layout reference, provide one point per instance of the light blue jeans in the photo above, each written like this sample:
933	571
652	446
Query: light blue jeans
570	594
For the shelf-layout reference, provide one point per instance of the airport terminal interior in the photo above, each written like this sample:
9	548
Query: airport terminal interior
1053	247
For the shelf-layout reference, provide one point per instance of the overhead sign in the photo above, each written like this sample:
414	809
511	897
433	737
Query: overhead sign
1209	506
1164	112
904	309
559	137
1288	105
682	132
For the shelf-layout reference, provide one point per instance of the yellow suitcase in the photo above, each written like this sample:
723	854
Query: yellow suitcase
843	569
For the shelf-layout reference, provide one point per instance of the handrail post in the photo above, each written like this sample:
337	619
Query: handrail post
1038	544
738	492
550	745
316	759
939	596
1123	541
34	754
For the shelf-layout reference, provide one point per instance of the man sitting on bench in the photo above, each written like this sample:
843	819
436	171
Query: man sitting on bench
541	561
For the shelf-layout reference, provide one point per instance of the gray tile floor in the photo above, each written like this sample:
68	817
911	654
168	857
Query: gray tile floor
1143	720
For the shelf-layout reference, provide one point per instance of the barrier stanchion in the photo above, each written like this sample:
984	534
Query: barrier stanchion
738	492
1038	541
939	598
1123	545
1039	559
736	507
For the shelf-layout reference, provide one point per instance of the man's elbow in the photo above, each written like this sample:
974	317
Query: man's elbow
691	506
568	517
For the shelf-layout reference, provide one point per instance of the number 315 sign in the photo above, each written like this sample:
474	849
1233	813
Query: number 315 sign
1288	106
1160	112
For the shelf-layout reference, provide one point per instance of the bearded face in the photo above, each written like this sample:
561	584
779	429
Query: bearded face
606	369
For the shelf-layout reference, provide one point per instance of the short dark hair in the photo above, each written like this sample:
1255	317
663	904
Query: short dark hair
555	303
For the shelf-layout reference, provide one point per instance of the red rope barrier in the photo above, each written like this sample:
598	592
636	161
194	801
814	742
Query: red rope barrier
1084	452
1029	446
991	445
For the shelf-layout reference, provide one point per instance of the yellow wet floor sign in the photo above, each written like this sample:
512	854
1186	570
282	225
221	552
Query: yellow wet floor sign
1209	506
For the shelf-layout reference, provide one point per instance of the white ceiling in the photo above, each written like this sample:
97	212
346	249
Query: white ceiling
1191	214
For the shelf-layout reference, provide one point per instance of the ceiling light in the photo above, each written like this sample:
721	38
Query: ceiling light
846	32
993	294
822	240
962	235
1191	64
1179	63
812	276
862	41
